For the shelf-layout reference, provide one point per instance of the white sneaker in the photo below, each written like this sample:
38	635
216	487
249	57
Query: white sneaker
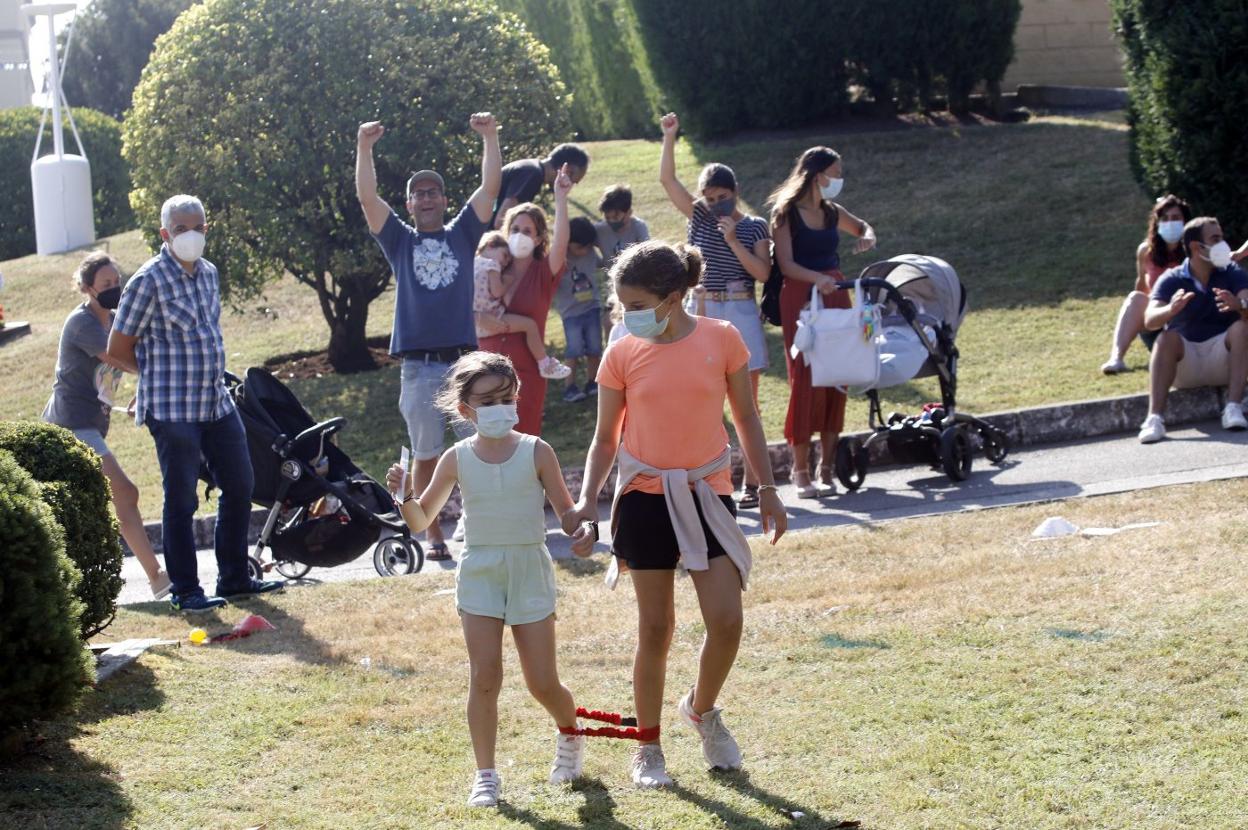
458	534
161	585
569	758
1233	417
719	748
650	767
1113	366
1154	429
486	789
552	369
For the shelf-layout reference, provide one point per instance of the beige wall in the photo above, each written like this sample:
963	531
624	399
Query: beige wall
1065	42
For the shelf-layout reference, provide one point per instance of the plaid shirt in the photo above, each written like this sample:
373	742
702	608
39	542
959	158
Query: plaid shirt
181	354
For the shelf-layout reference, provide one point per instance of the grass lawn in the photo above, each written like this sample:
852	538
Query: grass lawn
940	672
1040	220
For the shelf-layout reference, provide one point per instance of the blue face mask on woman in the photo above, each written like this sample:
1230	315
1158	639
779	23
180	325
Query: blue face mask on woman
645	322
1171	230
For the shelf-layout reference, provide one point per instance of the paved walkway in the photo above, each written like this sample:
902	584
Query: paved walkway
1199	452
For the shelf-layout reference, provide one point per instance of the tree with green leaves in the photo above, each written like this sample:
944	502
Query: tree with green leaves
112	40
254	106
1187	73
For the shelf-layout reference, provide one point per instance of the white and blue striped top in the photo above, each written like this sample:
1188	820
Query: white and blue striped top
722	266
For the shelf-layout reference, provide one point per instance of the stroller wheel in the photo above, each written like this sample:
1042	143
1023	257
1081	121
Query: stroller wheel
292	569
955	453
255	568
996	447
398	556
850	462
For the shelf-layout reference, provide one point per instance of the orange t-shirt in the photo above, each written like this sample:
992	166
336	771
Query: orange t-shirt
674	397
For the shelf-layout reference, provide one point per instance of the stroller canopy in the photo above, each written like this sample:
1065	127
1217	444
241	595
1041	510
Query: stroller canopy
926	281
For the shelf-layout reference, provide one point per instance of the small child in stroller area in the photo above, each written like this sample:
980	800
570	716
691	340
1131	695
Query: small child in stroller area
505	575
489	287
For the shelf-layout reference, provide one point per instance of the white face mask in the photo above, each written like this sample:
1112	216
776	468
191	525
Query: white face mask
188	246
832	189
520	245
497	420
1220	255
1171	231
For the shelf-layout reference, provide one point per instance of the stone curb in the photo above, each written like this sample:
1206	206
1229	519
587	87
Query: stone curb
1051	424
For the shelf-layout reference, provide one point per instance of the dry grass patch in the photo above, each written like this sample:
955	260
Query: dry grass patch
938	672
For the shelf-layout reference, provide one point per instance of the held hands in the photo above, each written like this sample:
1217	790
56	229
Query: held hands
563	183
483	123
583	540
771	513
370	133
670	125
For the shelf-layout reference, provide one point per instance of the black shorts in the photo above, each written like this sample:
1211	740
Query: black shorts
644	537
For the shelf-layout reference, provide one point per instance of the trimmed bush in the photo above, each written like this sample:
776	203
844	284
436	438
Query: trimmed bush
1187	72
758	64
597	47
254	105
43	665
112	42
73	486
110	176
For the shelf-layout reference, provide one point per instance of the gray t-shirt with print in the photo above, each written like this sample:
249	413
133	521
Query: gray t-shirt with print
578	292
82	395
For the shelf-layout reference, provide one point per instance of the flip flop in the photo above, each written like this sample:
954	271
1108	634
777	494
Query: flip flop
438	552
748	497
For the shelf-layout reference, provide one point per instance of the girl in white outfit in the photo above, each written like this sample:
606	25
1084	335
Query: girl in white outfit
505	574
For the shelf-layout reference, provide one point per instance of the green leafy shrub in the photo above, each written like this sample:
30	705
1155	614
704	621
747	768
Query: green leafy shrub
253	105
73	486
767	65
43	665
597	47
1187	72
112	40
110	176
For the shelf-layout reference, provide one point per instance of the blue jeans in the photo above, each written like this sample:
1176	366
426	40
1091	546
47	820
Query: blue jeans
583	335
223	445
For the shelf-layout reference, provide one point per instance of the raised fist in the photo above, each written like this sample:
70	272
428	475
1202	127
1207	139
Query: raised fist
670	124
370	132
483	122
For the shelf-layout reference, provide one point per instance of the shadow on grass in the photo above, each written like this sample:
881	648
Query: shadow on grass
799	816
291	636
51	785
597	811
837	641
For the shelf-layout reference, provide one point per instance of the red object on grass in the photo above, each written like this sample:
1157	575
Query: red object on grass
650	733
247	626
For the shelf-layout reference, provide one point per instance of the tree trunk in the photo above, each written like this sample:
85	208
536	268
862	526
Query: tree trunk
348	346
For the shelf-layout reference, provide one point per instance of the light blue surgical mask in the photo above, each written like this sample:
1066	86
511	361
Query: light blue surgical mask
645	322
1171	231
832	189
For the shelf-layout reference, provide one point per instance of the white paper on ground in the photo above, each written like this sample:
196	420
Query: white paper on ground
1054	527
1110	531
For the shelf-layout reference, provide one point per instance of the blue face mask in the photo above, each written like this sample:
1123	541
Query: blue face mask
645	322
1171	230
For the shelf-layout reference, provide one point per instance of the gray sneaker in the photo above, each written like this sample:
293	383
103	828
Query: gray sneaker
719	748
650	767
487	788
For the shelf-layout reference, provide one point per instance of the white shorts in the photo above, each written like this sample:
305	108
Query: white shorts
1206	363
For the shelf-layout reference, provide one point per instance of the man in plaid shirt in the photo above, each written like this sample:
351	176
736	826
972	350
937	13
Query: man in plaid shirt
168	330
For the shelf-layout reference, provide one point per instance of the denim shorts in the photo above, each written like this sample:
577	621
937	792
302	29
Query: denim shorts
426	426
744	316
93	439
583	333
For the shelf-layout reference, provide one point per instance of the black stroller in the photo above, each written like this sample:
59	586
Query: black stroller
323	510
922	303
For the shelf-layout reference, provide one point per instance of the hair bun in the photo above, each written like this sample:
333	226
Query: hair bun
691	256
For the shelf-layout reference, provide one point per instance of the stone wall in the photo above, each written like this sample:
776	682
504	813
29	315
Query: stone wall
1065	43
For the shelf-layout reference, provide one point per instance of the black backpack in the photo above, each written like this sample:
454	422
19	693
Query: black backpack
770	303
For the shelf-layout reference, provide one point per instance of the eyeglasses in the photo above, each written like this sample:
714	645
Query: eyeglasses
430	193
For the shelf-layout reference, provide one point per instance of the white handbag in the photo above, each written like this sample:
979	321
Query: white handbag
841	345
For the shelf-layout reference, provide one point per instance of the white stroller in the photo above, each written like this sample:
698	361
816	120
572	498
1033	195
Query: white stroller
922	303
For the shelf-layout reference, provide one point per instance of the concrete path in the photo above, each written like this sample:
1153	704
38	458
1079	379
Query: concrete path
1193	453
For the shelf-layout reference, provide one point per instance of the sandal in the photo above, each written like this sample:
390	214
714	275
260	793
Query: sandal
438	552
748	497
806	491
827	483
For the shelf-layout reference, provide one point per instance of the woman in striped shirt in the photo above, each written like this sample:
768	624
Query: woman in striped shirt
736	248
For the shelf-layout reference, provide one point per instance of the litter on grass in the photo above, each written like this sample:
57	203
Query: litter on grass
1057	527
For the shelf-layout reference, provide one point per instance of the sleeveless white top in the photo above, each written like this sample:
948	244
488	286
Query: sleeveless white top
504	504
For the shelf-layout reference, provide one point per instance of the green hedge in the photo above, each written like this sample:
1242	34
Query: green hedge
597	47
1187	73
766	65
43	665
110	176
73	486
